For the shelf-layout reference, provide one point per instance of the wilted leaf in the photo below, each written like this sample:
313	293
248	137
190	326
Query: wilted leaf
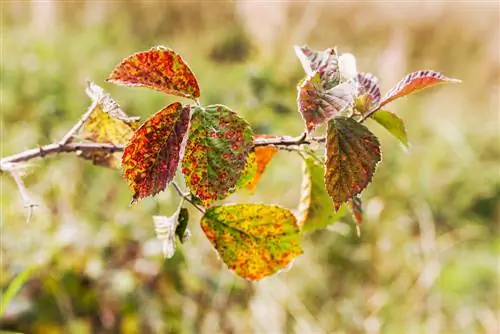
165	232
316	209
393	124
357	209
254	240
352	154
151	157
216	152
317	105
159	68
325	63
255	165
108	124
415	82
368	92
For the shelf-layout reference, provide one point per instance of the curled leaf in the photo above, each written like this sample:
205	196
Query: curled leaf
315	210
392	123
368	92
159	68
151	157
415	82
352	154
165	232
253	240
216	152
325	63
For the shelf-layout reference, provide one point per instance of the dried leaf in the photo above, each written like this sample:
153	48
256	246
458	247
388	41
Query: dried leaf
325	63
216	152
316	210
352	154
165	231
159	68
368	92
107	124
151	157
317	105
392	123
253	240
415	82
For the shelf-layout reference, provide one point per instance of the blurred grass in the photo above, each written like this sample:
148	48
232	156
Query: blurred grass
427	260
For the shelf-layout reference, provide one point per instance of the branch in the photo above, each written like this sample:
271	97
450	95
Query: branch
28	202
187	197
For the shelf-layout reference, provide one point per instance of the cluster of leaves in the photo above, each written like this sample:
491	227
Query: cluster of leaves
214	149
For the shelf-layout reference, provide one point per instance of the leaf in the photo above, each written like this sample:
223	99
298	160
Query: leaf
357	209
254	240
107	123
216	152
392	123
17	283
352	154
256	164
325	63
151	157
368	92
316	210
182	221
415	82
317	105
159	68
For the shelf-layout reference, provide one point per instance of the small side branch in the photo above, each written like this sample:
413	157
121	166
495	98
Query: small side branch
187	197
28	202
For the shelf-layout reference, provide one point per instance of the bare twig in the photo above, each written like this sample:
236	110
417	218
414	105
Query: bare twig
187	197
28	202
67	137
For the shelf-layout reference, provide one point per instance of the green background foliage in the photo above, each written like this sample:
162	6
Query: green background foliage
427	259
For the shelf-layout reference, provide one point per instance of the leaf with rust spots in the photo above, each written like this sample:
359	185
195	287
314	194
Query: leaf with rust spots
392	123
325	63
151	157
107	124
317	105
256	164
216	152
368	92
253	240
159	68
352	154
316	209
415	82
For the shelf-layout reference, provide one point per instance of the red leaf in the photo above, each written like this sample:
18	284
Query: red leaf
324	62
415	82
159	68
369	88
151	157
357	209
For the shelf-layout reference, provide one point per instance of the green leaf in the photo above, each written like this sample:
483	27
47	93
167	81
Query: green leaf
316	210
182	222
352	154
108	124
150	160
216	152
318	105
254	240
159	68
14	287
392	123
415	82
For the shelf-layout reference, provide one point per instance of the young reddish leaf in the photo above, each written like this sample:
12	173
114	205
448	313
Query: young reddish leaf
253	240
352	154
317	105
325	63
256	164
216	152
159	68
108	124
415	82
368	92
357	209
315	210
151	157
393	124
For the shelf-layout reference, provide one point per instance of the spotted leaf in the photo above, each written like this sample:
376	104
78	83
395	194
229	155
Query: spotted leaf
317	105
216	152
352	154
151	157
107	123
392	123
253	240
316	210
325	63
368	92
415	82
159	68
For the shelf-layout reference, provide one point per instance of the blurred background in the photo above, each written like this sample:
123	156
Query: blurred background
427	260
